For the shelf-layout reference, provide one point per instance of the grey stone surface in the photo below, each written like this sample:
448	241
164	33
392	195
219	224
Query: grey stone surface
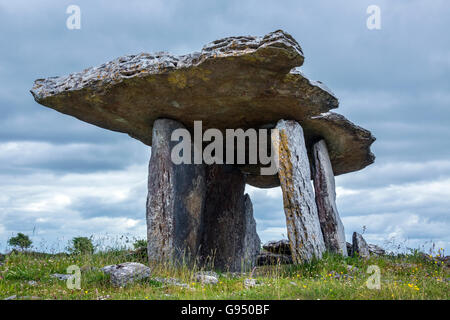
171	281
376	250
251	283
126	273
269	258
206	278
175	200
252	243
302	219
230	241
278	247
325	195
62	276
360	246
349	248
233	82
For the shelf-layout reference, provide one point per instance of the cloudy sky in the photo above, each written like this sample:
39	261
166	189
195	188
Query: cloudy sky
61	178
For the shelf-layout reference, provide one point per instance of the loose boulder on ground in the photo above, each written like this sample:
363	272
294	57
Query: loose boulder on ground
126	273
278	247
269	258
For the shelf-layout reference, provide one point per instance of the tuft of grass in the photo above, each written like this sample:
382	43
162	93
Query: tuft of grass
27	274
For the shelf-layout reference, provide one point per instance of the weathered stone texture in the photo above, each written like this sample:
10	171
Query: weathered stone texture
360	246
175	200
233	83
126	273
229	239
325	195
279	247
302	219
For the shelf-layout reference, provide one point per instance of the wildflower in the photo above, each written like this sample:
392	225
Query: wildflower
304	286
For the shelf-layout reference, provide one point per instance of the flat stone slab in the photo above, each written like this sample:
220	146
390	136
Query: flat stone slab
236	82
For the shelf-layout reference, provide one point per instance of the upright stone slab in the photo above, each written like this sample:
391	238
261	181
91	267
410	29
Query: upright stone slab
360	246
229	239
252	243
324	185
175	200
302	220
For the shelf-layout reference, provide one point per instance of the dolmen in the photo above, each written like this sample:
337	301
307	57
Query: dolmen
238	112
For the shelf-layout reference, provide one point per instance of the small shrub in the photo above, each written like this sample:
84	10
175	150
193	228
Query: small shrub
21	241
82	245
142	243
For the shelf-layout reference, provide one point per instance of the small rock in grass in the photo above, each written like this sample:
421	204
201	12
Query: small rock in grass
250	283
126	273
205	278
61	276
171	281
352	268
32	283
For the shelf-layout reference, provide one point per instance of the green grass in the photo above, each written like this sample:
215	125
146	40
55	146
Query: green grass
402	277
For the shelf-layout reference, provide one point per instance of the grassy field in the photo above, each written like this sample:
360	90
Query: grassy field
27	276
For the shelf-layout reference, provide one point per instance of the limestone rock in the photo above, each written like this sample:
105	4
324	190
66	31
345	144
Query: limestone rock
360	246
252	243
206	278
376	250
325	195
126	273
278	247
348	144
348	147
171	281
269	258
175	200
229	240
250	283
232	83
349	249
302	220
62	276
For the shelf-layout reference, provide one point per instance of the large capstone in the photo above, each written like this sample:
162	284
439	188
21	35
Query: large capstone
231	83
325	194
302	219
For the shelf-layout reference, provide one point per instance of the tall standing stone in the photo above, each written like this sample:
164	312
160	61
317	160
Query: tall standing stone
175	200
229	239
302	220
324	185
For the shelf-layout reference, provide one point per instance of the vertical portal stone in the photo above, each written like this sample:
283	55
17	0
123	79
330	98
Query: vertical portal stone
324	185
302	220
175	200
229	240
